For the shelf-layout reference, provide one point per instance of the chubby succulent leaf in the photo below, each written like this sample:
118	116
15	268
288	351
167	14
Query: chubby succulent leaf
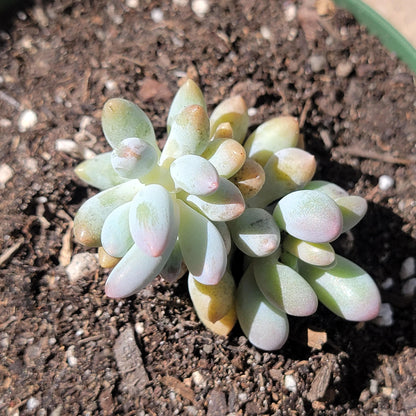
195	175
249	179
318	254
223	131
174	268
225	204
105	260
223	326
233	110
99	172
188	94
283	287
309	215
154	220
273	135
286	171
212	302
331	189
202	246
189	134
115	235
346	289
255	232
265	326
353	209
227	155
133	158
90	218
134	272
122	119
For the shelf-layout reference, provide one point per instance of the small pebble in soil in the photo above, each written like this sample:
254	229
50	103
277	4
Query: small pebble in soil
290	383
27	120
133	4
200	7
385	182
73	149
409	288
289	10
198	379
81	266
385	316
373	387
111	85
32	403
293	32
5	123
70	357
265	32
408	268
387	284
6	173
317	63
57	411
252	111
157	15
139	328
344	69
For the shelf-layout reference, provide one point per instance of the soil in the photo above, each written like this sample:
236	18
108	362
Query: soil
65	348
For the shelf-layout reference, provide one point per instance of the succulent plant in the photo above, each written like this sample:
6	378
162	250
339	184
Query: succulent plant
210	200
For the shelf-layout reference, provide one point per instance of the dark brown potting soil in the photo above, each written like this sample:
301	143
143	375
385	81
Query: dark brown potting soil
65	348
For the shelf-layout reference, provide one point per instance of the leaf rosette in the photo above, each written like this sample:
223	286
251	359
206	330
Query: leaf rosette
212	197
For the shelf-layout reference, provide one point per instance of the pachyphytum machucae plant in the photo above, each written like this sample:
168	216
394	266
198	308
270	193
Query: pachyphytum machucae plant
212	196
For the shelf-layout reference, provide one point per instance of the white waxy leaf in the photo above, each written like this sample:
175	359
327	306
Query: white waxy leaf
212	302
309	215
188	94
122	119
345	289
284	288
154	220
227	156
174	268
134	272
225	204
133	158
90	218
286	171
115	235
318	254
189	134
255	232
265	326
353	209
195	175
202	246
272	136
234	111
99	172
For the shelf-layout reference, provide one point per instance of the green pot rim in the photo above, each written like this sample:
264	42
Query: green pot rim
380	27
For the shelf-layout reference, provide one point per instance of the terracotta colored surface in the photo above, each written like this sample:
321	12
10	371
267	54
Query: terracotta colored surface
400	13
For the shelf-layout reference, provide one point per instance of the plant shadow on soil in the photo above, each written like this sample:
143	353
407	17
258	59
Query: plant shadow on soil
379	246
